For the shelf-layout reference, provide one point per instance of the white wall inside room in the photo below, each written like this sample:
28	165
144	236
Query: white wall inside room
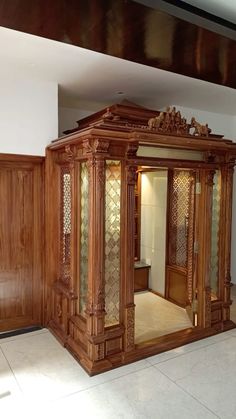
69	116
153	226
219	123
28	115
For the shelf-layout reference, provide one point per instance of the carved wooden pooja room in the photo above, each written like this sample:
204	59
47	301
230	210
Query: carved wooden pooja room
93	231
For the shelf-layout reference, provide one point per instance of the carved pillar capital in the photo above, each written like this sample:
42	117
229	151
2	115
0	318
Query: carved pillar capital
70	153
95	146
131	150
131	174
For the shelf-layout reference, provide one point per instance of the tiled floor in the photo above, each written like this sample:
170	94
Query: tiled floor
155	316
40	379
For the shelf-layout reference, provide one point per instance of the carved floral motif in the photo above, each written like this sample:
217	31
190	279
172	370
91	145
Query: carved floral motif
130	328
100	351
99	306
70	153
95	146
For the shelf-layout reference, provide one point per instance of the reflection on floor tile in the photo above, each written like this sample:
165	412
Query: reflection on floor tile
209	375
195	381
8	384
144	394
41	364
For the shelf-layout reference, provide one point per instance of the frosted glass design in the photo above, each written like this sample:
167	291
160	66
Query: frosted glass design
179	216
84	211
65	234
216	197
112	241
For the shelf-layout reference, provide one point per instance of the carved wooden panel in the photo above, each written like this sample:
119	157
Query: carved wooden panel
84	207
112	241
137	217
179	218
65	224
215	232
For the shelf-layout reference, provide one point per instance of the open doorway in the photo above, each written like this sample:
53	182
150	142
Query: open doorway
164	252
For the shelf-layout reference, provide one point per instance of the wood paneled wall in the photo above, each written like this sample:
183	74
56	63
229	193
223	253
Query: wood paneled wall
21	241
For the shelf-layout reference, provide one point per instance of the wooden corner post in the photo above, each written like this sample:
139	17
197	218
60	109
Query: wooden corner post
95	309
129	177
204	247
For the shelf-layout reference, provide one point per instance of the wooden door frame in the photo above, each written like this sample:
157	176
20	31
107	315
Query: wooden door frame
204	198
35	164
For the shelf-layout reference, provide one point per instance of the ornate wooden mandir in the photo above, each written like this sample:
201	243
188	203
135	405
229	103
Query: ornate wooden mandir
90	211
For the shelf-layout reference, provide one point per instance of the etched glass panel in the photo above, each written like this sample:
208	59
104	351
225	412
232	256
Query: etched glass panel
84	212
112	241
65	235
179	217
216	198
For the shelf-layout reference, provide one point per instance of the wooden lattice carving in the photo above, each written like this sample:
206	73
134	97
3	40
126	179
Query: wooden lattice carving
65	224
179	217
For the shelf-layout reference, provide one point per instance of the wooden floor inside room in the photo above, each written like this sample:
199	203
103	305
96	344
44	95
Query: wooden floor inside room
155	316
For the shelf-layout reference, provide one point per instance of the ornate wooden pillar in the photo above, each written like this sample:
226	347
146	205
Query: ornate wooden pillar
128	249
95	308
226	225
204	247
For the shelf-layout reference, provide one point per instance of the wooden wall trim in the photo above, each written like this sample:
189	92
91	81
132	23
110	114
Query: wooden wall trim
21	158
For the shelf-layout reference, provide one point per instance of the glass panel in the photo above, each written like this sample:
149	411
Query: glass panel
179	216
214	272
170	153
84	212
112	241
65	239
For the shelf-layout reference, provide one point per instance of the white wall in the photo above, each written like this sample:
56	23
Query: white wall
219	123
153	226
69	116
28	115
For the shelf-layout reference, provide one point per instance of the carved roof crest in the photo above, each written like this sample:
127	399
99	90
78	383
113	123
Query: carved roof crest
172	122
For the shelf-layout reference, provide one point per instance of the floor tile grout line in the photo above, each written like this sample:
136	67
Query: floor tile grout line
189	394
102	383
9	365
188	352
23	336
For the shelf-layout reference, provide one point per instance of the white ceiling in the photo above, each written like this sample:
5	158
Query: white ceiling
86	78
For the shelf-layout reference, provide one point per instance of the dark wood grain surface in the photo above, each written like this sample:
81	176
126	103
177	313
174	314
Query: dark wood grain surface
129	30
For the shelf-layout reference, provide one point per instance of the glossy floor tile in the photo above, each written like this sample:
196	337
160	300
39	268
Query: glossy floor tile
207	374
38	376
